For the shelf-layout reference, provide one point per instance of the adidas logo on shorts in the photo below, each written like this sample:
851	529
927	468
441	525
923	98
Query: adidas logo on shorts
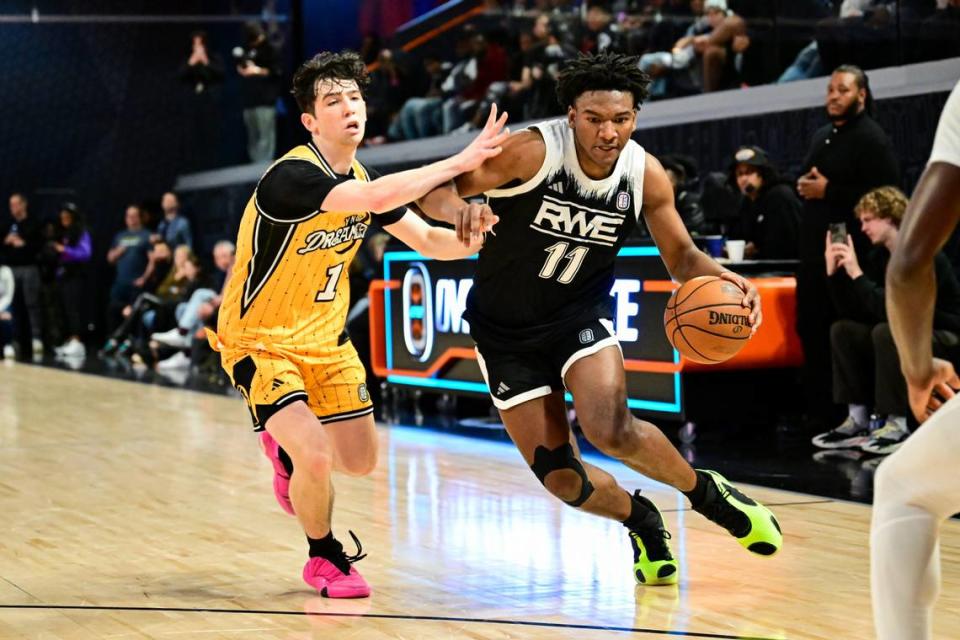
502	388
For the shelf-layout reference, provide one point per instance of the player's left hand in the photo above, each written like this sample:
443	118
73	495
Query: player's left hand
751	298
473	221
929	392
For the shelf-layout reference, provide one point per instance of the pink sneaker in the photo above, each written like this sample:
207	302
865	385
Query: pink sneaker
331	582
336	577
281	479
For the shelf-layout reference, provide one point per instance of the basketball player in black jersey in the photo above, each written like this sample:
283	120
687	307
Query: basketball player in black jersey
565	195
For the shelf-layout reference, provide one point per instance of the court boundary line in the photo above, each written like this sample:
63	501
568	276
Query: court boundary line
381	616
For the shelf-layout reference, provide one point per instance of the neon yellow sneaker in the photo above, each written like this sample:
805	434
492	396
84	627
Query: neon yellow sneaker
752	524
653	563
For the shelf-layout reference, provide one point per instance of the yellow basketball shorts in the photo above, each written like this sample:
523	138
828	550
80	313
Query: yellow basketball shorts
333	386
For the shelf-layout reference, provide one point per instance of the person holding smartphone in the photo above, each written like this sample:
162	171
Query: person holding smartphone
866	369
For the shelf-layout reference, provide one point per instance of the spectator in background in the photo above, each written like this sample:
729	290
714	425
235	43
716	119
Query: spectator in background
864	33
199	307
159	259
128	255
22	240
370	47
224	253
538	80
534	94
770	210
600	31
707	58
676	72
722	49
866	367
174	229
259	69
385	95
847	158
419	115
75	249
202	73
939	35
7	289
487	64
142	316
682	173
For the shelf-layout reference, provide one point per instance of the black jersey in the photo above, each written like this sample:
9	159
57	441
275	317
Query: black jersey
550	264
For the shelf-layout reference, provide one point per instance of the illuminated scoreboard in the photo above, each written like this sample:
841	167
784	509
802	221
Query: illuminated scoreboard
420	338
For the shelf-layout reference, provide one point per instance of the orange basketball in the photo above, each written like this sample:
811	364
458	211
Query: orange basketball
705	320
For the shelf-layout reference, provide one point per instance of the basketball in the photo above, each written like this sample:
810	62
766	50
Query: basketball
705	320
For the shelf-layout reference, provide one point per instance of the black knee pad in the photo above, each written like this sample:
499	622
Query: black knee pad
548	460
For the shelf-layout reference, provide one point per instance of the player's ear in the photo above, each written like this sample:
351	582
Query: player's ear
307	121
571	116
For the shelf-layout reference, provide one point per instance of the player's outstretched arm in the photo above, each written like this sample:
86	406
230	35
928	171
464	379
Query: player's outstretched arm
432	242
911	289
398	189
680	255
522	156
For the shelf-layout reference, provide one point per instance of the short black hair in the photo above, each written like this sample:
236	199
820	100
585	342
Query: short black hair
327	65
602	72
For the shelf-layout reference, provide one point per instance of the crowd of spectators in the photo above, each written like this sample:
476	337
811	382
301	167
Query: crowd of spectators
688	47
161	296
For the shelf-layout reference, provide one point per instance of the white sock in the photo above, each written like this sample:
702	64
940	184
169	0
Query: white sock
859	414
905	572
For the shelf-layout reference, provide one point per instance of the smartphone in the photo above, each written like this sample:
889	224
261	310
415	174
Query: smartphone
838	233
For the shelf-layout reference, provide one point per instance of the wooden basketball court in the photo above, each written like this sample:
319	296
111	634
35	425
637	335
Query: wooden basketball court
135	511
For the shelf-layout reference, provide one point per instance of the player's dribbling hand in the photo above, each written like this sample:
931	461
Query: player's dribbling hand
751	298
930	393
473	221
486	144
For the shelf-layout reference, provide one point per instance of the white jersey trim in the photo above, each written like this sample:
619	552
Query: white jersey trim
592	349
551	160
946	144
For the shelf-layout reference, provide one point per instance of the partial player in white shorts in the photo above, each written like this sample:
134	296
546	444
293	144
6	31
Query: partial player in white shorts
918	487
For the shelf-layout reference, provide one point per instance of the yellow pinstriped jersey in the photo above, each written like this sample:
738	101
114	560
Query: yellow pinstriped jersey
290	289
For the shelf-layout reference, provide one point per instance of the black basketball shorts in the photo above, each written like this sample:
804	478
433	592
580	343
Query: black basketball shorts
515	377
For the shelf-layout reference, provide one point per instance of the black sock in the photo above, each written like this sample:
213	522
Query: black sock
285	461
698	494
326	547
642	517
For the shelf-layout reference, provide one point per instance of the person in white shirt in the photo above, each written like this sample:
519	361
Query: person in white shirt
7	287
918	487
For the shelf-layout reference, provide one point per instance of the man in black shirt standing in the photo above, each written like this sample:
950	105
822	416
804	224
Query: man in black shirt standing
20	242
847	158
259	71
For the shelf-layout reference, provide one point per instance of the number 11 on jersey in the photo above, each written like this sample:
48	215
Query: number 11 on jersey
556	253
329	292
